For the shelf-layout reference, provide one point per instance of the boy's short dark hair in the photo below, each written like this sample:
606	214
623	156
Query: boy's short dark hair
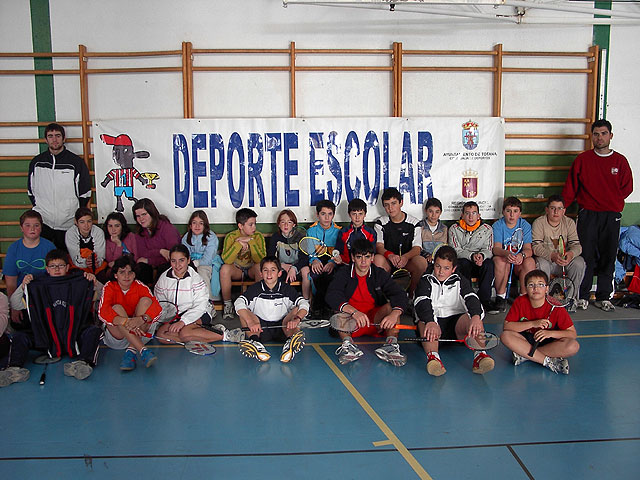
433	202
30	214
325	204
122	262
445	252
245	214
536	274
56	254
470	204
389	193
357	205
55	127
555	198
83	212
361	246
512	202
270	259
601	123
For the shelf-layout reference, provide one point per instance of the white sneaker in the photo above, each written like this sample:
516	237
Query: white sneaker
582	304
78	369
228	311
518	359
235	335
211	309
605	305
12	375
390	352
557	365
292	346
348	352
254	349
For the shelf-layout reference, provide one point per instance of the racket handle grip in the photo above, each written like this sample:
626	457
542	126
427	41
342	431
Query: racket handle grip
43	378
533	348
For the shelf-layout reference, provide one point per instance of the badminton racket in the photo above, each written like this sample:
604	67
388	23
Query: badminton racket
313	324
435	250
554	302
347	324
197	348
170	313
43	377
514	247
45	360
482	341
303	324
402	276
562	288
314	247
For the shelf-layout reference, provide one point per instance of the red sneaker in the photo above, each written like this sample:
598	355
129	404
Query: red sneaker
434	365
482	363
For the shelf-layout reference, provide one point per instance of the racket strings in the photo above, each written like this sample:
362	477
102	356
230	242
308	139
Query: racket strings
313	247
482	341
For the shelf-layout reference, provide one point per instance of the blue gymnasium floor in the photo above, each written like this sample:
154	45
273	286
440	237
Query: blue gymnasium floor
226	416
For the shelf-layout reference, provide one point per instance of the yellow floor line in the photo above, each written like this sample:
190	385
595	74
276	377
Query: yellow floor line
382	443
608	335
392	438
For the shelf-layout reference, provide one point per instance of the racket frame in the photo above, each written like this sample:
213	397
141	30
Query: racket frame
339	324
554	303
564	280
519	248
315	254
492	339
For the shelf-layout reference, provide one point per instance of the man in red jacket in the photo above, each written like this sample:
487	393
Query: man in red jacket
600	180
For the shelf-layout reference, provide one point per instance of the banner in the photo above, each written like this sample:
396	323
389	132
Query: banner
268	165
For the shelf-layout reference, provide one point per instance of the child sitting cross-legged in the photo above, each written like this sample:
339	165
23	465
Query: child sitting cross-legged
531	319
373	299
271	309
447	307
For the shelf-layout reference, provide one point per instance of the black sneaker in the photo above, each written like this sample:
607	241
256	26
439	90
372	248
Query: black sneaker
490	307
499	306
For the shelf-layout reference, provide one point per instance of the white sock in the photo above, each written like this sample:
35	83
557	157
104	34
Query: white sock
435	354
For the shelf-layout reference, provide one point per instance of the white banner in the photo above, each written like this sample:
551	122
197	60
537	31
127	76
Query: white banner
270	164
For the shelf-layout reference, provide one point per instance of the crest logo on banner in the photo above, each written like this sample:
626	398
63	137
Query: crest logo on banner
470	135
469	184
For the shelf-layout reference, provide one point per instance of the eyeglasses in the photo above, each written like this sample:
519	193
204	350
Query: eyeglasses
361	257
57	266
556	209
531	286
471	214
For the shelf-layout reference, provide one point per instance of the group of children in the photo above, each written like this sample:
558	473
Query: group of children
355	280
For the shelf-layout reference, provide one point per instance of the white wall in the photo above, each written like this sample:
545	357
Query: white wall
126	25
623	102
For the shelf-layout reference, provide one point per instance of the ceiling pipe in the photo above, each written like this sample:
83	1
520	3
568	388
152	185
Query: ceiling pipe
562	7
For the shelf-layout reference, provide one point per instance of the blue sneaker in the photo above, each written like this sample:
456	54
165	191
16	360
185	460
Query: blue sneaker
148	357
128	362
